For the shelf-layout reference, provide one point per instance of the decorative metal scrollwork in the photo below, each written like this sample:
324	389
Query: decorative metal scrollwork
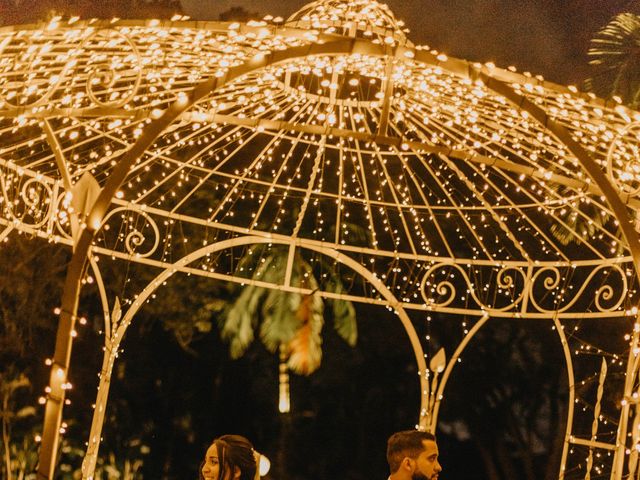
549	295
542	289
135	231
505	295
26	197
623	160
121	70
106	59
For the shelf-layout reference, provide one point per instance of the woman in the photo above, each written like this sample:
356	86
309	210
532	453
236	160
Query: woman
230	457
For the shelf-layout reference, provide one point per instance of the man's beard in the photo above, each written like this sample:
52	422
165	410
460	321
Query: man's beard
419	476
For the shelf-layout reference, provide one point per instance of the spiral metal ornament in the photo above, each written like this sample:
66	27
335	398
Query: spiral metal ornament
106	60
26	200
133	232
543	288
112	80
606	285
623	160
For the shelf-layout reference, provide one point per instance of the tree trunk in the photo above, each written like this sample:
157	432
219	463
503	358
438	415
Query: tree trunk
6	436
487	458
504	460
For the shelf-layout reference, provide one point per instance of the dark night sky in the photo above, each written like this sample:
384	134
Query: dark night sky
547	37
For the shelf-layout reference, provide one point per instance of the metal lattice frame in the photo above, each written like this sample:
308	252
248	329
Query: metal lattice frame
446	186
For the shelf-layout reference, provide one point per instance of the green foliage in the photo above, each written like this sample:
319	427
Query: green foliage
238	14
285	319
524	440
31	282
27	295
344	315
185	307
615	57
18	446
582	221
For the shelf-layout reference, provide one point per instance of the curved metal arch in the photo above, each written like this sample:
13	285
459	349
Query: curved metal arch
77	266
90	226
304	243
439	395
107	366
116	337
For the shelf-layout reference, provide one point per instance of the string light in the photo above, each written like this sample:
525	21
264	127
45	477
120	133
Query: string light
395	156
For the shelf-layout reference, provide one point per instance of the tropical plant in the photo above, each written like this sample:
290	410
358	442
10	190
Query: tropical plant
615	57
19	451
581	220
615	61
288	321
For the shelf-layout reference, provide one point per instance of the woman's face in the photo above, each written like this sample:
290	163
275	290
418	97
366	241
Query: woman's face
211	467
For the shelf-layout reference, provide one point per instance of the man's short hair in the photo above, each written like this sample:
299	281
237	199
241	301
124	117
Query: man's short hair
403	444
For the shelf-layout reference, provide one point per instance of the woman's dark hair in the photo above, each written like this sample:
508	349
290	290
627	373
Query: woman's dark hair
235	451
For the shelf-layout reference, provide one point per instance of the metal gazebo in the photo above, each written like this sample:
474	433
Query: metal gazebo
438	184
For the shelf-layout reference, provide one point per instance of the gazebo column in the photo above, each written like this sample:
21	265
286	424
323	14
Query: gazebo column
89	226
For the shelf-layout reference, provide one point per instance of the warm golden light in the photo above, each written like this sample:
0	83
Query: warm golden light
432	183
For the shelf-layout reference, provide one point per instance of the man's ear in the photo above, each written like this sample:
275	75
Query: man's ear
407	464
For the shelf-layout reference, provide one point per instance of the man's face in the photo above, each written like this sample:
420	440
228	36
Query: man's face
426	466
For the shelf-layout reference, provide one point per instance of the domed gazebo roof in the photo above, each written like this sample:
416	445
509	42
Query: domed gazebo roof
334	132
361	18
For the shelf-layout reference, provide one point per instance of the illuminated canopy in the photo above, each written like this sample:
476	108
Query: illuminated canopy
445	185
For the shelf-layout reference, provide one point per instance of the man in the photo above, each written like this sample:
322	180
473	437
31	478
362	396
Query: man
413	455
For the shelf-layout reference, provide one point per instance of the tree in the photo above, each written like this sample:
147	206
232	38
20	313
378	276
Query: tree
615	58
509	402
18	449
238	14
291	322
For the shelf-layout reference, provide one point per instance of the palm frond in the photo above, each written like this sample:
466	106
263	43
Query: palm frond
279	322
239	322
306	346
344	314
241	319
286	319
615	58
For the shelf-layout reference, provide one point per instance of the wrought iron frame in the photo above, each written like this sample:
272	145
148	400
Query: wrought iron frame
386	46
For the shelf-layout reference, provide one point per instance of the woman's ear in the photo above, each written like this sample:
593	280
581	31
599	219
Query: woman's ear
236	473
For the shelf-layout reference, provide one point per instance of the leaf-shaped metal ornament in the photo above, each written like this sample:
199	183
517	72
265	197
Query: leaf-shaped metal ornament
113	321
438	362
84	194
